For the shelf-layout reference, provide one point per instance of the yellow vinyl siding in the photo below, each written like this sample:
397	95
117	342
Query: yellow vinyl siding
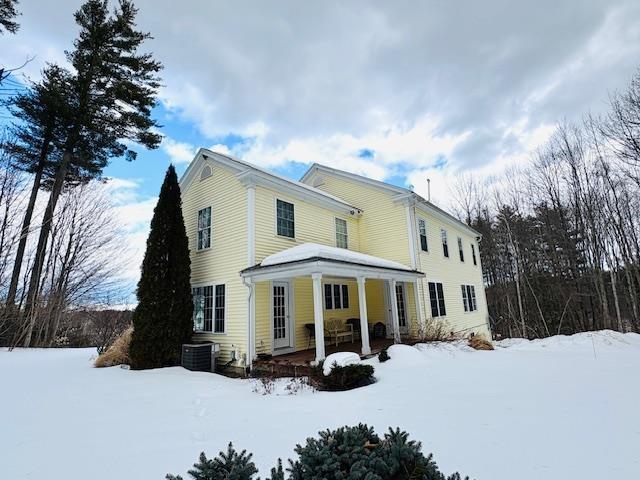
228	253
452	273
383	225
313	224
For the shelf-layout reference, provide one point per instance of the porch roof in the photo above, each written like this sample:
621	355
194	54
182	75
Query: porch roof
310	258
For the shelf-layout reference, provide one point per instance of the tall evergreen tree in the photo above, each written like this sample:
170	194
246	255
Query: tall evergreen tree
112	92
39	111
8	14
162	321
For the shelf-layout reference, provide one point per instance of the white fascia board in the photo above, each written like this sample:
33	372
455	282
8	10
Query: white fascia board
352	176
331	269
409	198
256	177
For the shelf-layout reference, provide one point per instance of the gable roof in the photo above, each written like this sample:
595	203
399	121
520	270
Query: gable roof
248	173
401	194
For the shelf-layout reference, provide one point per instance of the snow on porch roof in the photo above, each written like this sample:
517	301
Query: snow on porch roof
314	251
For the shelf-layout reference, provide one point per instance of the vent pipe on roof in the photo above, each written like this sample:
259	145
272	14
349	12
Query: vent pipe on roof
428	189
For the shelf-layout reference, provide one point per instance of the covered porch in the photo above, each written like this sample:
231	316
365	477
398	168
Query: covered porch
352	301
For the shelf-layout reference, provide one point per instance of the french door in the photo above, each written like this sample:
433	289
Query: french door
402	307
280	315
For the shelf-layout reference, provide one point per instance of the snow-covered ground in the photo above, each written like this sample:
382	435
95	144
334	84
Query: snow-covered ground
564	407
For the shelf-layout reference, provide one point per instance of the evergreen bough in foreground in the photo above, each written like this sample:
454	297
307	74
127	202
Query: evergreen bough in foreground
353	453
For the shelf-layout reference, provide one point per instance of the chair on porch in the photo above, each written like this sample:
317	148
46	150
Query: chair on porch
336	329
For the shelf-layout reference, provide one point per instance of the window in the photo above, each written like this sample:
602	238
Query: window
460	249
469	298
209	312
204	228
445	243
473	254
342	239
436	296
284	219
336	296
422	231
219	310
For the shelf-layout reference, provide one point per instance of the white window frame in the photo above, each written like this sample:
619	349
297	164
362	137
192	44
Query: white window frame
469	300
342	286
275	209
444	240
473	254
213	310
460	250
444	300
210	228
346	234
426	237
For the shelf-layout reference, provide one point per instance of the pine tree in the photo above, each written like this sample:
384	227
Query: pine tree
8	14
112	92
39	111
162	321
227	466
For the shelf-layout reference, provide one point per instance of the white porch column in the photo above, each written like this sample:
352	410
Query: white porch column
318	316
395	321
364	322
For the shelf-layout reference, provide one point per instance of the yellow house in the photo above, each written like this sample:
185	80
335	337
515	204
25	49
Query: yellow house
278	263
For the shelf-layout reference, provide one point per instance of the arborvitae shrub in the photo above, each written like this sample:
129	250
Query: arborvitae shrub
162	321
226	466
347	377
383	356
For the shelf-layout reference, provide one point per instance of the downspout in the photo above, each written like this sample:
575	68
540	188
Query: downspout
415	259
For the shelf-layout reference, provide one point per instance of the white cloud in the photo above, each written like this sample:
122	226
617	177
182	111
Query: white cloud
179	152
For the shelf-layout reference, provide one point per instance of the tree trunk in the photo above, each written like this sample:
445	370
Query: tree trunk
38	261
24	233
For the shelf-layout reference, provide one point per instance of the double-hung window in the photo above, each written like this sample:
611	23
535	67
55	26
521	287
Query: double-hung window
445	242
473	254
285	224
209	309
422	231
204	228
460	249
342	238
436	296
469	298
336	296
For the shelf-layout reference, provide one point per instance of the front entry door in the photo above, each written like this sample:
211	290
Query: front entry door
400	298
402	307
281	333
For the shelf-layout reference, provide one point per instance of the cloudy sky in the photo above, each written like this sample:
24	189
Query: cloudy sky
399	91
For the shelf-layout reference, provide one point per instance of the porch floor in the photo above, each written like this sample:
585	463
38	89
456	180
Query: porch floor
305	357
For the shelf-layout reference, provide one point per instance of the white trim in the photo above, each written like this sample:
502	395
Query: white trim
210	207
213	308
275	218
364	321
318	316
426	233
328	268
402	194
335	231
395	320
290	317
412	237
332	284
251	225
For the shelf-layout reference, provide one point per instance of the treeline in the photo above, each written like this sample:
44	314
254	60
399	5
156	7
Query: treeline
65	129
561	236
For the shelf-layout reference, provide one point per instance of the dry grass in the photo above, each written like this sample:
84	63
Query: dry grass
118	353
480	343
